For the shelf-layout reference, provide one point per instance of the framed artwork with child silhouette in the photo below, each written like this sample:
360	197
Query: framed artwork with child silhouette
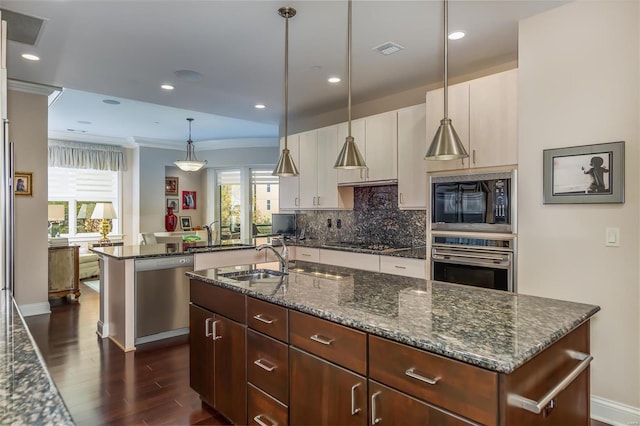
588	174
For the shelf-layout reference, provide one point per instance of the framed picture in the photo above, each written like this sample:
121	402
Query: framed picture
174	203
188	200
23	183
185	223
171	186
589	174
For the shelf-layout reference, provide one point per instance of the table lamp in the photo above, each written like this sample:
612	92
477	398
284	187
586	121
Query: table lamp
104	212
55	215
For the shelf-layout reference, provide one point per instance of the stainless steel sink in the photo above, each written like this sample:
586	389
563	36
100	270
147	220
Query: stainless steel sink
254	275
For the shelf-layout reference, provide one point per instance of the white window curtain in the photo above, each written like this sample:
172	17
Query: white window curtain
86	156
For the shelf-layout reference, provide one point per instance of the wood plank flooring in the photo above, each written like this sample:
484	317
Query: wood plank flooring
103	385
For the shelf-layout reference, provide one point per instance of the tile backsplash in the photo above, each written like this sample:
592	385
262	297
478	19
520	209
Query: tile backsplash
375	219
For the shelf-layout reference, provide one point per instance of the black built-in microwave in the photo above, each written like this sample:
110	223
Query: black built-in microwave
482	202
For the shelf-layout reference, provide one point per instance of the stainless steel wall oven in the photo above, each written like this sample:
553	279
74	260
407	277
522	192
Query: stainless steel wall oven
474	260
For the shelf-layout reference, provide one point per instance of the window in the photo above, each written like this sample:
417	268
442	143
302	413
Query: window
268	187
78	190
268	204
230	203
265	200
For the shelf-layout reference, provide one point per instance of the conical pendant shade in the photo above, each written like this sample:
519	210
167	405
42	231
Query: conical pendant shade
446	144
285	167
350	157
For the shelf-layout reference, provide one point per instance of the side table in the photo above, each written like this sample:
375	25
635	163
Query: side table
63	271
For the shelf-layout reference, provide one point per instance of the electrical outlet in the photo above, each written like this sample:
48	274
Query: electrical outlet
338	223
328	223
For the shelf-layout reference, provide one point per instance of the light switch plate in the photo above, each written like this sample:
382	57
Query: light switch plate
612	237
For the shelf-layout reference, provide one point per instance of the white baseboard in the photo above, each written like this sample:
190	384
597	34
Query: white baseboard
614	413
31	309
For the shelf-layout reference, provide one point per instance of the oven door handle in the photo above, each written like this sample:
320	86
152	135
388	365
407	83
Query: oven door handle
442	255
473	260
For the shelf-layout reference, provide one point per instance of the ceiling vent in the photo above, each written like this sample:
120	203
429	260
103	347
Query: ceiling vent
22	28
388	48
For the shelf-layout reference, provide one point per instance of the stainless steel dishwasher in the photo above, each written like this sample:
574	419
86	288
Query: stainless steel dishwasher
162	297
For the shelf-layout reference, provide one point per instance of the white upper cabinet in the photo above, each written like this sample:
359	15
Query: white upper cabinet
308	168
377	139
289	188
412	167
484	113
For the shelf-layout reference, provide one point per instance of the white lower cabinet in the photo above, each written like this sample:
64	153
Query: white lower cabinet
367	262
307	254
416	268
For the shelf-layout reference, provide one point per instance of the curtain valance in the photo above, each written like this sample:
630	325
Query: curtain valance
86	156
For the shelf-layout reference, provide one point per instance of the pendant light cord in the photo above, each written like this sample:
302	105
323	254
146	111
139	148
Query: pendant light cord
446	59
286	79
349	70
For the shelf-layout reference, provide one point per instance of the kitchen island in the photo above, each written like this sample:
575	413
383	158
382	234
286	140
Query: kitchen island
382	349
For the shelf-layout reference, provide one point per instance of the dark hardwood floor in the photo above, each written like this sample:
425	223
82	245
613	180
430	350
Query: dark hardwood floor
103	385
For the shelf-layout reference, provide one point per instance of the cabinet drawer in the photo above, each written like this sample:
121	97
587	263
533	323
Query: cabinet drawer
308	254
225	302
264	410
366	262
268	365
267	318
458	387
334	342
416	268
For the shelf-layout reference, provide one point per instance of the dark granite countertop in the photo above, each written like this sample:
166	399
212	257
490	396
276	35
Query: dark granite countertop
169	249
28	396
492	329
408	252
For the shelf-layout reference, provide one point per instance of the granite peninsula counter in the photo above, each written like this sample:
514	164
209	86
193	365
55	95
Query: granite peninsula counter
27	392
511	341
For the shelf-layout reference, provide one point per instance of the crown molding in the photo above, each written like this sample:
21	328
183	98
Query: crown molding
87	138
34	88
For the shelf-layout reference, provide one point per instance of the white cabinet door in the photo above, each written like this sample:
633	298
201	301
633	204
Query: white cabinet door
328	194
289	186
412	167
459	115
381	147
308	167
493	103
357	131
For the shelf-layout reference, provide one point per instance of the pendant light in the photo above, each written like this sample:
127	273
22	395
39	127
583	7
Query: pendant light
446	144
286	167
349	157
191	163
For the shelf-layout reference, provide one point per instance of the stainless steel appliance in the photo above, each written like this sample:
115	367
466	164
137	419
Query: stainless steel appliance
475	260
162	297
484	202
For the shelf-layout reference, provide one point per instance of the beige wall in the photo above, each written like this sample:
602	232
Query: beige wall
28	131
579	73
188	182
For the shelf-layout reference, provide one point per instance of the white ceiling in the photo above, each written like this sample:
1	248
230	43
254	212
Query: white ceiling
124	50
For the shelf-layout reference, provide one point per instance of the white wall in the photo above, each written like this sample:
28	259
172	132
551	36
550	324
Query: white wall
27	114
579	85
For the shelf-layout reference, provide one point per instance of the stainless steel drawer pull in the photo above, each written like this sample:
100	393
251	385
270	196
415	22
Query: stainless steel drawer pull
354	410
261	363
306	254
374	418
321	339
400	267
207	333
214	332
536	407
412	373
260	318
259	417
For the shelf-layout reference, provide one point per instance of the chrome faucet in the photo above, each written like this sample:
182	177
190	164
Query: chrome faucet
283	257
209	233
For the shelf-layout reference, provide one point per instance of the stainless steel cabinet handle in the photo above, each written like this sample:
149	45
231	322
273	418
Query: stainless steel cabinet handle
360	174
367	173
318	201
214	332
258	419
374	418
261	363
412	373
260	318
400	267
306	254
207	333
297	201
314	201
401	198
321	339
354	410
536	407
473	156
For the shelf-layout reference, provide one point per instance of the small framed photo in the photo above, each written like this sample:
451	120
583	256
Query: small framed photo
23	183
173	203
185	223
588	174
188	200
171	186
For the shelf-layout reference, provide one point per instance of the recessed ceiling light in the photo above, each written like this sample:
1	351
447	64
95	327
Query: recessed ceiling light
260	106
456	35
111	102
167	87
334	80
30	57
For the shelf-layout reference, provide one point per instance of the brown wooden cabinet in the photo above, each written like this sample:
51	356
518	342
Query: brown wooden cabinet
217	353
63	271
325	394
